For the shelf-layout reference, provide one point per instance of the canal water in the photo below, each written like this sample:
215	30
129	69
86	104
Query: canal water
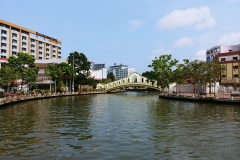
127	125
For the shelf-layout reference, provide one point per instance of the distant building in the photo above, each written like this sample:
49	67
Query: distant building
99	74
231	61
98	66
121	71
16	39
212	52
98	71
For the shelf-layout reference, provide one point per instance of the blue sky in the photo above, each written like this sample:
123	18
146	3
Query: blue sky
130	32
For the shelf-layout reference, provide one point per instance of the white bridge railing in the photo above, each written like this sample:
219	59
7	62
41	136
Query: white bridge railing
134	80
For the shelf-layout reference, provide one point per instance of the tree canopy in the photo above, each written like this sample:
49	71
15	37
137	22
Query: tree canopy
163	69
110	75
25	67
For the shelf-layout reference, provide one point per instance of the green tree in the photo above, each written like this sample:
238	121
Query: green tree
59	72
163	69
80	66
7	75
110	75
149	75
212	72
24	65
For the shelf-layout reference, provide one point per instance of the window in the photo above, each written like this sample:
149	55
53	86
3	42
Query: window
235	76
40	42
14	53
14	47
40	47
3	45
53	46
14	35
59	48
3	51
32	40
223	76
3	32
40	53
23	49
32	45
3	38
223	59
47	49
54	56
47	54
24	38
235	58
47	45
40	58
59	57
54	51
24	43
235	67
32	51
14	41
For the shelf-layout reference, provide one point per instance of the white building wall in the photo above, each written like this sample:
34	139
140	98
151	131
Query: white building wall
99	74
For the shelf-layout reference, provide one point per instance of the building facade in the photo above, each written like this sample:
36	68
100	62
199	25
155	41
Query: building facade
214	51
121	71
16	39
231	61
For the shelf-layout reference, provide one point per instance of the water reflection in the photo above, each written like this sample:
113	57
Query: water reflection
194	130
128	125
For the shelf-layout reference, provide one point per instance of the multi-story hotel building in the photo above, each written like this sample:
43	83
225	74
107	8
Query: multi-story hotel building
16	39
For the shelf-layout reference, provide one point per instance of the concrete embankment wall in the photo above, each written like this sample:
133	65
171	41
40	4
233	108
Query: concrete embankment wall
201	99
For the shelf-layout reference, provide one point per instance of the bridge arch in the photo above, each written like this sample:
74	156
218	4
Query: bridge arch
133	80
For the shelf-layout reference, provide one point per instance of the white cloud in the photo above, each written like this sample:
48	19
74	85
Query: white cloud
183	42
200	18
134	24
200	55
229	39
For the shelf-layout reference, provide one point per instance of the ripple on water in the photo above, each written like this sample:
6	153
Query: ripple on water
129	125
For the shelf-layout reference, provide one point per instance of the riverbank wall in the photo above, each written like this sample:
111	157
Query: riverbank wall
218	98
5	101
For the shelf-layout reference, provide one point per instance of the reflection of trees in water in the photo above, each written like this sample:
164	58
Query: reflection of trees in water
49	123
195	127
17	125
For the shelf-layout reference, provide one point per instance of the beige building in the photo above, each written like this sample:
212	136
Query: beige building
231	61
16	39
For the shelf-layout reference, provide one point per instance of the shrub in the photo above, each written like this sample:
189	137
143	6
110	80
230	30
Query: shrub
6	94
18	93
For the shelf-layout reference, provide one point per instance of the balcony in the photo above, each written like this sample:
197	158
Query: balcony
223	81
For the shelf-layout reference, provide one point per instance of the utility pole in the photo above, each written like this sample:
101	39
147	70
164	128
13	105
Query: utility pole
73	75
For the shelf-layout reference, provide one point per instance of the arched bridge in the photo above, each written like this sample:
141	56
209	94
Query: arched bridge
133	80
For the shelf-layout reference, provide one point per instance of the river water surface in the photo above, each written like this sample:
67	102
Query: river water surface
127	125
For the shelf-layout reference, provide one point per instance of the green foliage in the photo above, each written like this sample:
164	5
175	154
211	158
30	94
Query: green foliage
24	66
163	69
7	74
110	76
150	75
80	63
